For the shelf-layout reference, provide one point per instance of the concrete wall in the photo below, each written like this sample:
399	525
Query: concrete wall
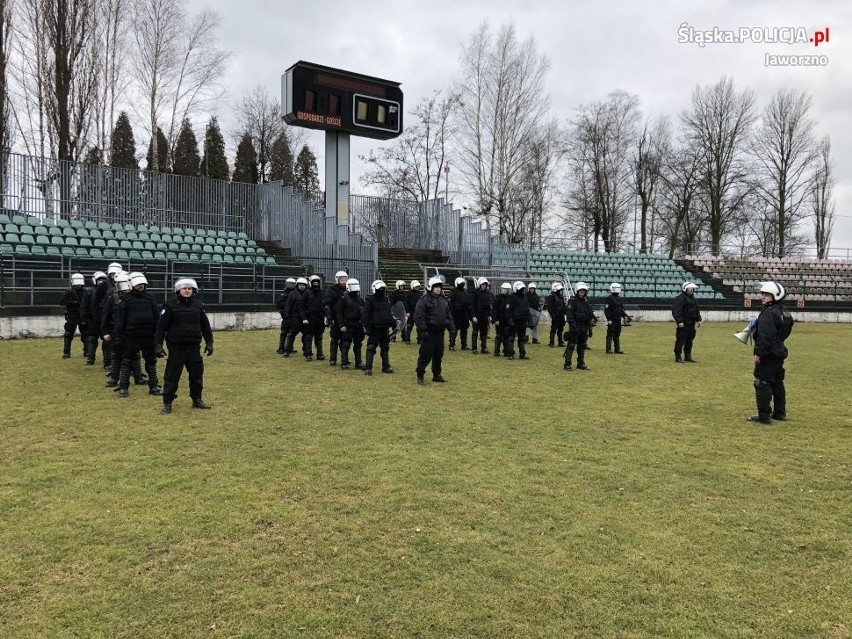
51	325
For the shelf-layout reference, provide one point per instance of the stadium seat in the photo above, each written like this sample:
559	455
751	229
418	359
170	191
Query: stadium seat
22	249
135	255
122	254
37	250
42	240
19	219
6	249
184	257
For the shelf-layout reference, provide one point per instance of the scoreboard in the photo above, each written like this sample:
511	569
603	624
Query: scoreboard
319	97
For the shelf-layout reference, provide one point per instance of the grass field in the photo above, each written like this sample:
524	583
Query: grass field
518	500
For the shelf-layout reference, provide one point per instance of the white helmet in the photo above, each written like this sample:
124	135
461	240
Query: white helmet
122	281
505	286
98	275
185	282
137	278
78	279
415	284
400	284
581	286
114	268
615	287
774	289
460	281
340	275
556	286
353	285
302	280
518	286
436	280
315	278
531	285
687	286
483	280
377	284
290	282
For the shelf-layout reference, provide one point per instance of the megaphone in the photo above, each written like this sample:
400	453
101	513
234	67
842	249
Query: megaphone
745	335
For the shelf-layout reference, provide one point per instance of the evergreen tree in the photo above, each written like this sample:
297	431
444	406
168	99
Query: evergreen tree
94	156
186	159
162	153
214	164
123	144
281	161
306	173
245	163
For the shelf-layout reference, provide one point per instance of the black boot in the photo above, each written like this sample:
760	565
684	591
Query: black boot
368	367
463	340
153	381
453	334
484	349
687	357
332	353
136	368
678	359
124	379
166	410
344	356
438	379
320	356
358	363
66	346
609	345
420	380
92	351
779	401
199	403
288	345
386	366
763	399
282	343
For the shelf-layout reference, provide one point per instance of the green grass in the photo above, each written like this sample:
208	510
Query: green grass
518	500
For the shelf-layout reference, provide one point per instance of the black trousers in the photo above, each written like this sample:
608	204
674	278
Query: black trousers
132	346
352	336
684	338
557	327
431	350
613	335
70	327
769	387
480	330
516	332
577	338
183	356
378	339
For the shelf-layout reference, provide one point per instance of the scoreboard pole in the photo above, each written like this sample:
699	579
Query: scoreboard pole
337	185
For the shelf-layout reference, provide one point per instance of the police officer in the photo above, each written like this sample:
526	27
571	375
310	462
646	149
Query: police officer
183	324
313	311
614	312
515	321
535	305
281	305
432	317
116	297
461	307
555	303
333	293
71	300
687	317
134	325
411	298
349	311
773	327
298	322
102	291
497	316
377	320
91	317
580	317
483	300
397	296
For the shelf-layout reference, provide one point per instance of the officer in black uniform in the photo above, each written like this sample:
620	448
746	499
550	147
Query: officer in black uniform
483	300
614	313
183	323
332	294
102	292
432	317
115	298
134	325
555	303
396	296
773	326
687	317
461	307
497	316
90	316
377	320
281	305
293	311
411	298
313	311
349	311
71	300
535	305
515	320
580	317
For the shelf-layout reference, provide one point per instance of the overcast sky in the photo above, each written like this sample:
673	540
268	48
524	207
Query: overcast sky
594	48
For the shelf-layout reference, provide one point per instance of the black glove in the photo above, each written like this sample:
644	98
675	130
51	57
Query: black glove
158	351
208	349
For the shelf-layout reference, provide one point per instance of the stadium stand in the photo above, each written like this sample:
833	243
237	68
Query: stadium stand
807	279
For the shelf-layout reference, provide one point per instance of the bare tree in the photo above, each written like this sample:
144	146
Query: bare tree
412	166
681	211
651	151
718	127
112	24
5	43
822	198
178	65
502	99
259	113
601	142
785	151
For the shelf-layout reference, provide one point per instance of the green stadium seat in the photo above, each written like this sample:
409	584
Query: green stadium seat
82	232
6	249
160	255
4	219
27	239
228	259
242	243
69	232
218	259
232	235
270	261
99	243
250	250
239	259
260	251
136	245
219	250
19	219
200	232
26	229
37	250
22	249
122	254
42	240
108	234
133	236
91	225
229	250
165	229
96	253
11	227
86	242
184	257
135	255
171	246
186	248
171	256
67	251
207	249
242	236
53	251
240	250
72	241
143	236
194	257
221	241
148	256
81	252
104	226
207	257
95	233
40	229
113	245
231	242
116	226
154	229
77	224
129	227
